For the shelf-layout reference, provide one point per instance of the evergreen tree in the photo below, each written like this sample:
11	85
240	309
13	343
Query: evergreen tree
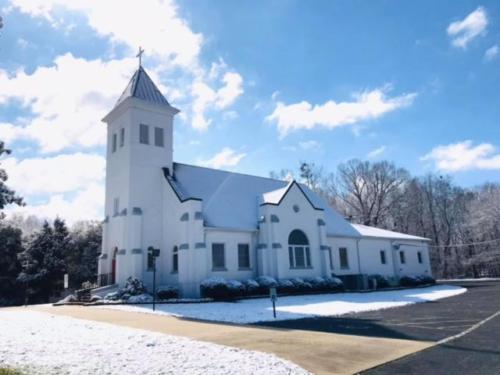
10	248
81	256
7	195
43	262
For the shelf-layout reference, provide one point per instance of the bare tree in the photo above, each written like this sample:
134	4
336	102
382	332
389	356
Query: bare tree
370	190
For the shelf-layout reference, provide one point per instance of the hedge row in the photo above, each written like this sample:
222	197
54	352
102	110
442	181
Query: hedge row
416	280
219	288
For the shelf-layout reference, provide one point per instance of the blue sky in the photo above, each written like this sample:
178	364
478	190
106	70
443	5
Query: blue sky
261	86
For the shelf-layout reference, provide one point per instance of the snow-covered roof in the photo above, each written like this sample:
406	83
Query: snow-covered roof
367	231
142	87
231	200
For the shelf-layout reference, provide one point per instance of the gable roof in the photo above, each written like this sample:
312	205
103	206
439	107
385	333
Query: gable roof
275	197
367	231
142	87
231	200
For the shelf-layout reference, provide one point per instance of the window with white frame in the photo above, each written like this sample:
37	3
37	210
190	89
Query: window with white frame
144	134
344	259
299	252
218	257
243	256
330	256
419	255
159	137
402	257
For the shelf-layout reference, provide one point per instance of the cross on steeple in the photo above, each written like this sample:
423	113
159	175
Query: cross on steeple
139	55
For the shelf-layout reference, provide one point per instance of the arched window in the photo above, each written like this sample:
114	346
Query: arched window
175	259
298	250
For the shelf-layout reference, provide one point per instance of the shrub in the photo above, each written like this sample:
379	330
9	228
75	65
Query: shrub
266	282
334	284
381	281
235	288
167	292
409	281
134	287
318	284
141	298
95	298
216	288
285	286
425	279
300	285
251	287
113	296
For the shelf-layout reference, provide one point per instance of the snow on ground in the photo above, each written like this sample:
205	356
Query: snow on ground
42	343
478	279
297	307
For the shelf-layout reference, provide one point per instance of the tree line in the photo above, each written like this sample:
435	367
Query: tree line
463	224
35	254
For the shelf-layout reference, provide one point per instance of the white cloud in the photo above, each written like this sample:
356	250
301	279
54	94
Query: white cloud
152	24
376	152
206	98
59	174
491	52
67	101
226	158
86	204
464	31
310	145
366	105
463	156
70	186
168	40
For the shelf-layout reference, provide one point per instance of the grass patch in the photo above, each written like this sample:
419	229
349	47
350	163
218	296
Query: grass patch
10	371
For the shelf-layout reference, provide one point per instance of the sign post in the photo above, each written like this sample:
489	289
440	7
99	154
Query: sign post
66	281
274	297
154	253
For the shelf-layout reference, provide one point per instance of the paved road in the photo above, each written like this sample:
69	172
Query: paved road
475	353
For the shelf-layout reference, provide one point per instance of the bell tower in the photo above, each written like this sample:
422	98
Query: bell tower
139	145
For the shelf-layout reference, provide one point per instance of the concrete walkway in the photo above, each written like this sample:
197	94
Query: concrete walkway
317	352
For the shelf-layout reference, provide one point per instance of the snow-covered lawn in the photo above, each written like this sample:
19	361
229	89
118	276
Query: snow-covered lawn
297	307
41	343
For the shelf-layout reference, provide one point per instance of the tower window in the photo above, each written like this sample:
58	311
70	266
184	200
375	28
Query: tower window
122	137
113	143
159	138
419	255
144	134
116	206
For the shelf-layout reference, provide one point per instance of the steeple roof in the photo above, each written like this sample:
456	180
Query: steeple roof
142	87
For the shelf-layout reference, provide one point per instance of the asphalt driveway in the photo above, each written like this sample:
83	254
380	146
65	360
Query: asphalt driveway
475	353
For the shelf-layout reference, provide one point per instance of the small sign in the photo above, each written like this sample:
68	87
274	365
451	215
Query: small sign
66	281
273	294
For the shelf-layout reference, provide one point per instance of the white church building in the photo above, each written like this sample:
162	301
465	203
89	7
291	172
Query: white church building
209	222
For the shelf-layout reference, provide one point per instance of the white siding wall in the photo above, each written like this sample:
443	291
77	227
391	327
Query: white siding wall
231	239
369	250
350	243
